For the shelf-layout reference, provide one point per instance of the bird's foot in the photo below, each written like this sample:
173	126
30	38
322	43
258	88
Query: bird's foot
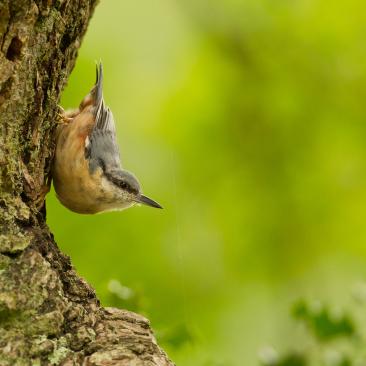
65	117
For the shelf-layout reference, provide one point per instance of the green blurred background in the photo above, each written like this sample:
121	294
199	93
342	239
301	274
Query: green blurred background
246	120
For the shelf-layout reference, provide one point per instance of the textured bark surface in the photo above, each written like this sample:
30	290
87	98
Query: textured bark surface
48	315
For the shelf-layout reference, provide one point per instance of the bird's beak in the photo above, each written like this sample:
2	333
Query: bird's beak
147	201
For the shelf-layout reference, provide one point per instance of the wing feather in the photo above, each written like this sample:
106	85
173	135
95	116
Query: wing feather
101	147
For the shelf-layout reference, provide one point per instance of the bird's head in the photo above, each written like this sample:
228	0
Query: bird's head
127	189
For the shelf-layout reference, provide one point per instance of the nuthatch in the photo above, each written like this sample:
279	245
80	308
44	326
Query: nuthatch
87	173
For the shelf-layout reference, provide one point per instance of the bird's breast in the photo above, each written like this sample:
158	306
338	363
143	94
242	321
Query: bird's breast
76	188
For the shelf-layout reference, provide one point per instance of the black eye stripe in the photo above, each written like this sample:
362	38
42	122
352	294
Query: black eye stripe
102	164
120	183
124	185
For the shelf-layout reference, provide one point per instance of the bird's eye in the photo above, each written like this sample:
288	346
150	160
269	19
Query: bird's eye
123	185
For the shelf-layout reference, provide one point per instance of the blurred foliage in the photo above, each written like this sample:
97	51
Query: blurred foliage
336	338
124	297
246	120
176	336
292	359
319	319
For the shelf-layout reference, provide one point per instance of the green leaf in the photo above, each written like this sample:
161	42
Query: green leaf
322	323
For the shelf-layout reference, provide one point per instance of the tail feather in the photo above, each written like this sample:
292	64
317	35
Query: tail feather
98	88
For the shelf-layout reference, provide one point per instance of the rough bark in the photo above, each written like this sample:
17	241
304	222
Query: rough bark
48	315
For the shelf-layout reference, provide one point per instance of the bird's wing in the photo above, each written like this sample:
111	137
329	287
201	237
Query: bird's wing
101	146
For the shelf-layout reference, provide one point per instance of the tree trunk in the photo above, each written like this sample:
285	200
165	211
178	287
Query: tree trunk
48	315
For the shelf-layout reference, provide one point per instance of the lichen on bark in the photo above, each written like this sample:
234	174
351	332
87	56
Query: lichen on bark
48	315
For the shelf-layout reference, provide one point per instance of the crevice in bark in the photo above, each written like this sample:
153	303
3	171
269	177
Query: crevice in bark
15	49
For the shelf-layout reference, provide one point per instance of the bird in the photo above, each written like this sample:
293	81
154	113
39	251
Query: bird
87	173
